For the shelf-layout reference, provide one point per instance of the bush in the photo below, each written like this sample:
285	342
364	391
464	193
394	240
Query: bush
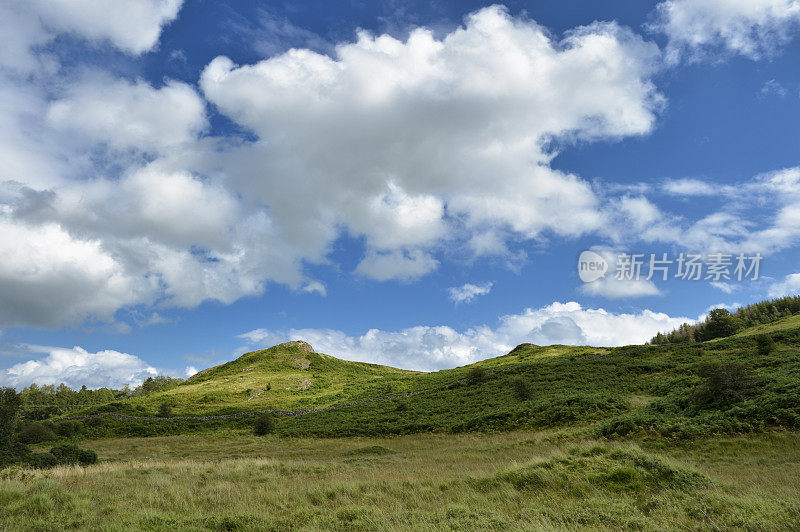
765	344
165	410
42	460
36	433
520	388
726	384
68	428
476	375
72	454
13	454
264	424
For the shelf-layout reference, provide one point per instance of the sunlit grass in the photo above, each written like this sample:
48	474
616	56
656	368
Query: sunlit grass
519	480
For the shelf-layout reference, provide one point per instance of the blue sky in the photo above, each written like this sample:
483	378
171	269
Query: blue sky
409	183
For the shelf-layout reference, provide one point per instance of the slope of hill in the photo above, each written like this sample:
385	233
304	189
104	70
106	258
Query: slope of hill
679	391
783	324
286	376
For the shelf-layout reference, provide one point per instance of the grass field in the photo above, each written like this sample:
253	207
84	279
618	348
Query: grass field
517	480
692	436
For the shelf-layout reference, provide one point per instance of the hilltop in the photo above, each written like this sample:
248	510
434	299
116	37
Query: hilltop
681	391
286	376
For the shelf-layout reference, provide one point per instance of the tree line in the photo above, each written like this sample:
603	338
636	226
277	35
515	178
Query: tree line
42	402
721	322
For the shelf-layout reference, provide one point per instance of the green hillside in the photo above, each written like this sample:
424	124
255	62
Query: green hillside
724	386
784	324
286	376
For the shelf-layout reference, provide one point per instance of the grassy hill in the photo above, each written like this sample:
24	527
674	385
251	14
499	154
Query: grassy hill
788	323
684	391
286	376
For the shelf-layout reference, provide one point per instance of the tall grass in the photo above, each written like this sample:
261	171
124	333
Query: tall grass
552	480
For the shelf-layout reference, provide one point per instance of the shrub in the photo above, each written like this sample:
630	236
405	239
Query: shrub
68	428
36	433
476	375
725	384
42	460
165	410
72	454
521	388
264	424
765	344
13	454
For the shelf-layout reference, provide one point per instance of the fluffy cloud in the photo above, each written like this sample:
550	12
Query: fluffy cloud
131	25
153	236
118	198
789	286
77	367
442	136
432	347
48	277
149	202
468	292
130	115
752	28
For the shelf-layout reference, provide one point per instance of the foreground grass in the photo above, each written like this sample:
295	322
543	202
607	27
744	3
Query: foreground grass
519	480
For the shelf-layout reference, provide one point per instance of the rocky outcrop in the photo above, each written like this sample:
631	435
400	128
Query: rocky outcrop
298	344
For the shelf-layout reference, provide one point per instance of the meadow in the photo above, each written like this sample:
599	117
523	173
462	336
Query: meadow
558	480
695	435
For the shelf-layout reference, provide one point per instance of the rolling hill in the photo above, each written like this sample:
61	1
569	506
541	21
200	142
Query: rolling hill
649	437
680	391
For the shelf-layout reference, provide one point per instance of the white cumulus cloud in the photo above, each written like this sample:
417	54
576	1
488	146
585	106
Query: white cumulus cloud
752	28
127	114
131	25
444	137
112	193
77	367
788	287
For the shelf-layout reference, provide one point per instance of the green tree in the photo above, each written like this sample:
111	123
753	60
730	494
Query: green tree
476	375
10	404
726	384
720	323
765	344
265	424
521	389
165	409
